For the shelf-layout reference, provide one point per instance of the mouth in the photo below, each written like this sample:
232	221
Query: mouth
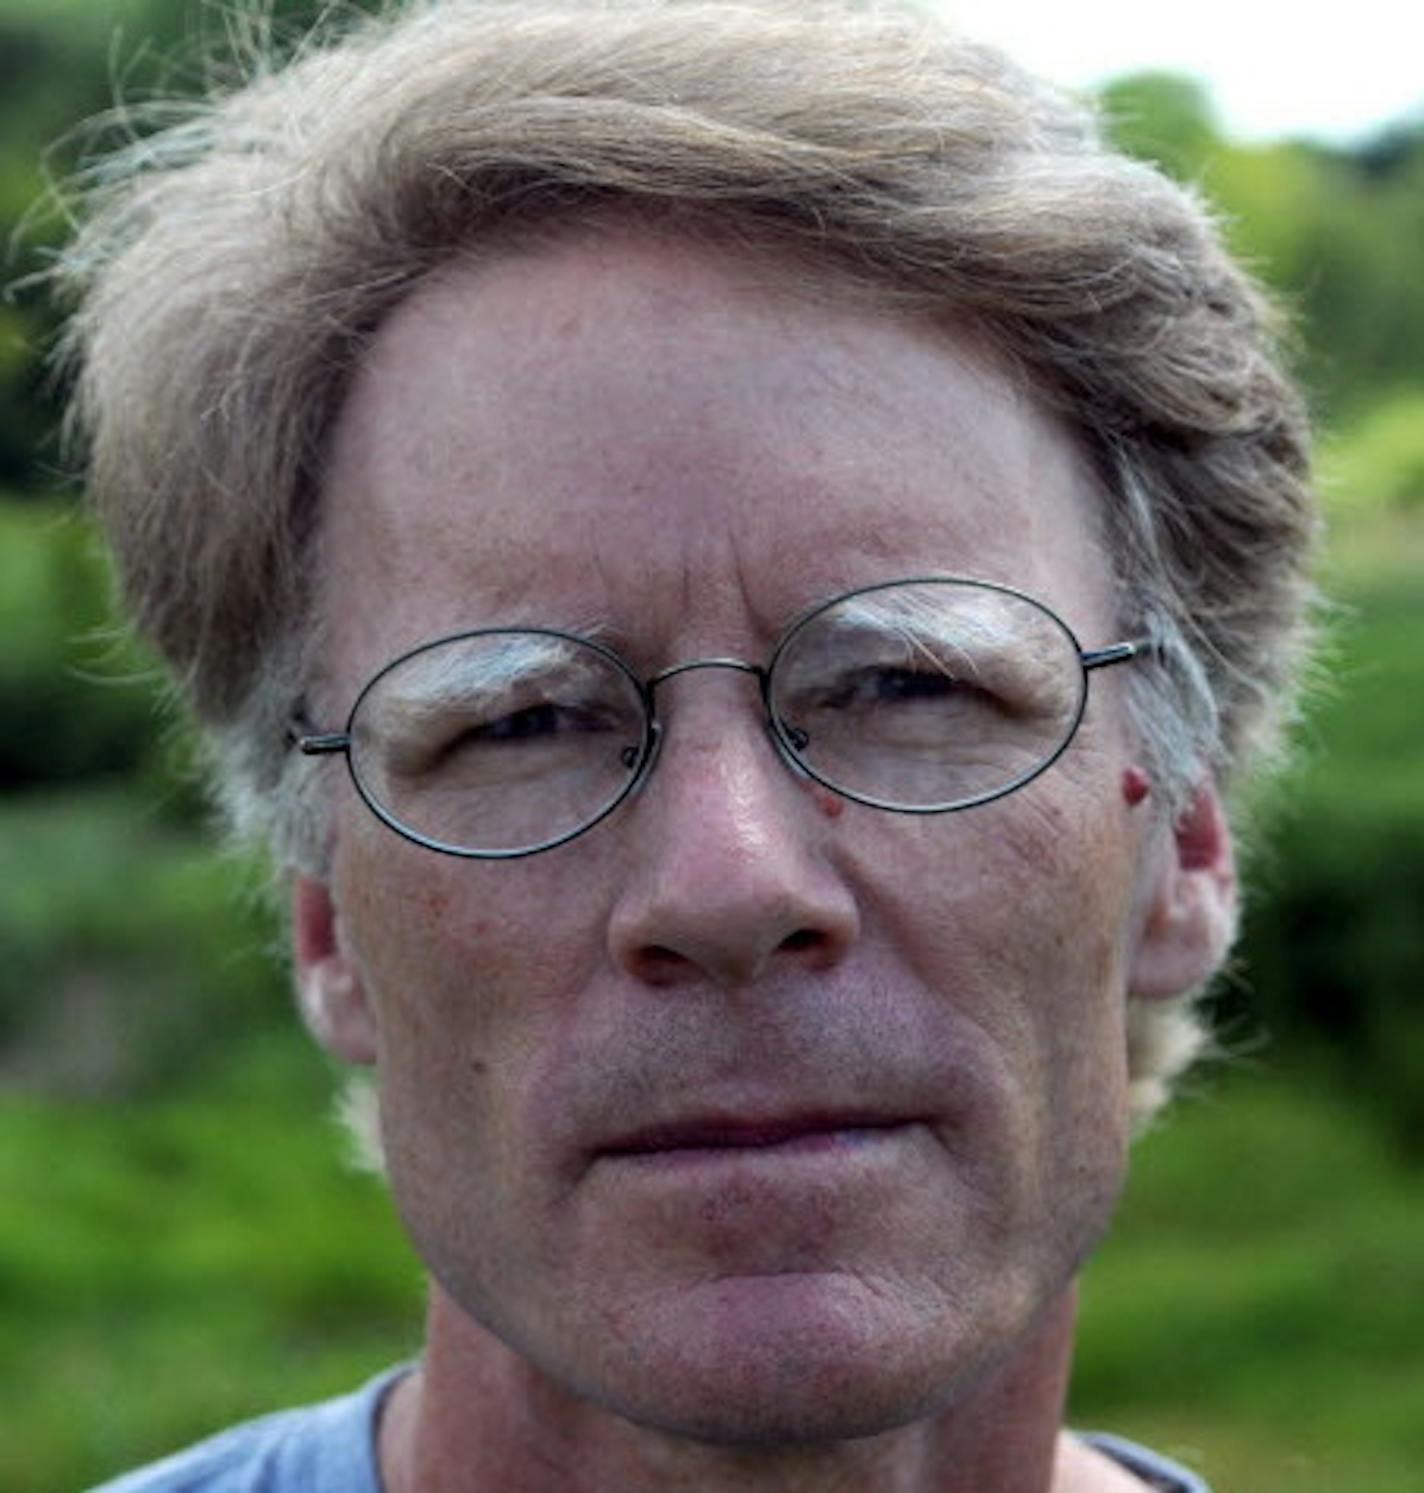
716	1136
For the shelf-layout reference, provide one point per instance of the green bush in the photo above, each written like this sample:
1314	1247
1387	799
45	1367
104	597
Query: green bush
77	700
136	958
1256	1308
1377	461
172	1267
1333	954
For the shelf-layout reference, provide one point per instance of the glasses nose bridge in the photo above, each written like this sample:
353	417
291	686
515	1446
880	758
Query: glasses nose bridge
740	665
760	672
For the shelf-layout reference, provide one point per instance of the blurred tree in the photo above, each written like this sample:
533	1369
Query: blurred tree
1338	233
1165	118
62	63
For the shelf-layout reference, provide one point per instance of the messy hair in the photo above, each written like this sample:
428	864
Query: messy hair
230	269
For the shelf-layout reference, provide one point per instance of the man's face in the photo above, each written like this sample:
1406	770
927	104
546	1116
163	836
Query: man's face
583	1054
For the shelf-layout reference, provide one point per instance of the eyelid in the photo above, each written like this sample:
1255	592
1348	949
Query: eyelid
442	678
912	651
1025	680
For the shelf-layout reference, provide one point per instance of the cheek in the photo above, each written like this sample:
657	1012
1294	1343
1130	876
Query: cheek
467	976
1066	883
1019	915
1014	919
471	983
477	943
1072	916
1025	883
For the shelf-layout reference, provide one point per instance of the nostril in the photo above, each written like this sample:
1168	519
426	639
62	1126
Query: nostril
660	965
803	938
663	966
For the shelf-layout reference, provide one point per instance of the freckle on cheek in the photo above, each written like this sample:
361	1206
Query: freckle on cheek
435	905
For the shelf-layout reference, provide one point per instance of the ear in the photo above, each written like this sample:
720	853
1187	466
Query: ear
1190	916
329	991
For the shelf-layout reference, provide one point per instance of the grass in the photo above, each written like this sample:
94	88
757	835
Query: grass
174	1266
1259	1307
133	953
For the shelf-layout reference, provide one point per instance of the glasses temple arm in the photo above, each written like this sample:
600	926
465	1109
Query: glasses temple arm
315	743
1119	653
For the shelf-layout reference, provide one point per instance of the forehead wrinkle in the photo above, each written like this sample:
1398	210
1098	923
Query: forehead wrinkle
682	590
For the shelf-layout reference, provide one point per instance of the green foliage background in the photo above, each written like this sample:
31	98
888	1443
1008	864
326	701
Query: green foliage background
183	1244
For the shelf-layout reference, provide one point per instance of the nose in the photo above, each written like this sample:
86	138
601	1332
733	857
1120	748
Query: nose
733	876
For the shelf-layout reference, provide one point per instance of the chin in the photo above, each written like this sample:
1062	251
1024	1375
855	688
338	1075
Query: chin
789	1359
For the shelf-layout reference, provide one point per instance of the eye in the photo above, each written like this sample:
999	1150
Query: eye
537	722
893	686
547	730
892	707
883	685
546	726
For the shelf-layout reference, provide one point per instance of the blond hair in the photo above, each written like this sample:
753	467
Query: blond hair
231	268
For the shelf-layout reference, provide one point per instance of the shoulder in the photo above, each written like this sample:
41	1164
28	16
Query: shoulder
1151	1469
323	1448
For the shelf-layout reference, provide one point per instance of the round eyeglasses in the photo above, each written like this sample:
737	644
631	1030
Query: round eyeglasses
917	696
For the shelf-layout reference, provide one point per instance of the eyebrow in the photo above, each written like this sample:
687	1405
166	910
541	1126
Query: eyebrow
901	614
443	676
925	628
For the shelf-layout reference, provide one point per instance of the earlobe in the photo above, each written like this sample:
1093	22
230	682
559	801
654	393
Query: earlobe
330	993
1190	917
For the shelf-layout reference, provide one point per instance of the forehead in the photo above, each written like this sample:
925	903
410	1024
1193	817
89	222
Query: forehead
667	439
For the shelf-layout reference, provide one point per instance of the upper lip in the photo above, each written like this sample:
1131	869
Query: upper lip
718	1131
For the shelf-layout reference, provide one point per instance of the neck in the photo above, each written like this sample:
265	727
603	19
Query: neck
478	1418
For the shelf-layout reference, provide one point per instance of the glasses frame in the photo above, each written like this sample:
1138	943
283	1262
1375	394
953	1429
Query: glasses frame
314	743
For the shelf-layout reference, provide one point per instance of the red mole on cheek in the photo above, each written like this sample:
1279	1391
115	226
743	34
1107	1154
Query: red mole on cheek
1135	786
832	805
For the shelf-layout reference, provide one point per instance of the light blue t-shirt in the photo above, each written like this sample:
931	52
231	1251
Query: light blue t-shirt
331	1448
325	1448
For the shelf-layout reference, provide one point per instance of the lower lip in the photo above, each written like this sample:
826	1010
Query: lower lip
833	1145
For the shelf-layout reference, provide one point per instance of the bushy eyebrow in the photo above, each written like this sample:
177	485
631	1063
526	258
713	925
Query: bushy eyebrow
919	620
978	643
460	672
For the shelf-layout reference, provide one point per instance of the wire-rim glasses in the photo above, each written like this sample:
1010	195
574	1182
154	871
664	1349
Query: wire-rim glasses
917	696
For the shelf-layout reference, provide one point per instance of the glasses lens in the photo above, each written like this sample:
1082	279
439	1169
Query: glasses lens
928	695
498	742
